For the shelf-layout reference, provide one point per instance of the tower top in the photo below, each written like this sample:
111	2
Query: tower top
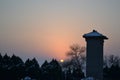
94	34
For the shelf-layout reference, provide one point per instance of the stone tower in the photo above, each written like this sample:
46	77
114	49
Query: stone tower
94	65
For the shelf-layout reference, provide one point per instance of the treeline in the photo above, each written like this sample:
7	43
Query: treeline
13	68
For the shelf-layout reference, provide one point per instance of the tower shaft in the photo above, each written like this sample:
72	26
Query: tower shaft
94	64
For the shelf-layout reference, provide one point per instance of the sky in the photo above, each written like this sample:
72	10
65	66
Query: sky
46	28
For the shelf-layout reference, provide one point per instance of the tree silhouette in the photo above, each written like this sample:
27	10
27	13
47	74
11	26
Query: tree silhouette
45	70
55	70
15	60
77	58
112	68
32	69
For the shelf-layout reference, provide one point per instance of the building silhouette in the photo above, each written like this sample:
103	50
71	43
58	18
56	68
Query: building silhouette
94	65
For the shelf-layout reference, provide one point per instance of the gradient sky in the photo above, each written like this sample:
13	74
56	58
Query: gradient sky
46	28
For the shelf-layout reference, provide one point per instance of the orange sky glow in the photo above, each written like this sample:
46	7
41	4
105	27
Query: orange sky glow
45	29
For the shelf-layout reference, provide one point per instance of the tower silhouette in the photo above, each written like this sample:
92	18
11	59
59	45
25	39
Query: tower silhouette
94	64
